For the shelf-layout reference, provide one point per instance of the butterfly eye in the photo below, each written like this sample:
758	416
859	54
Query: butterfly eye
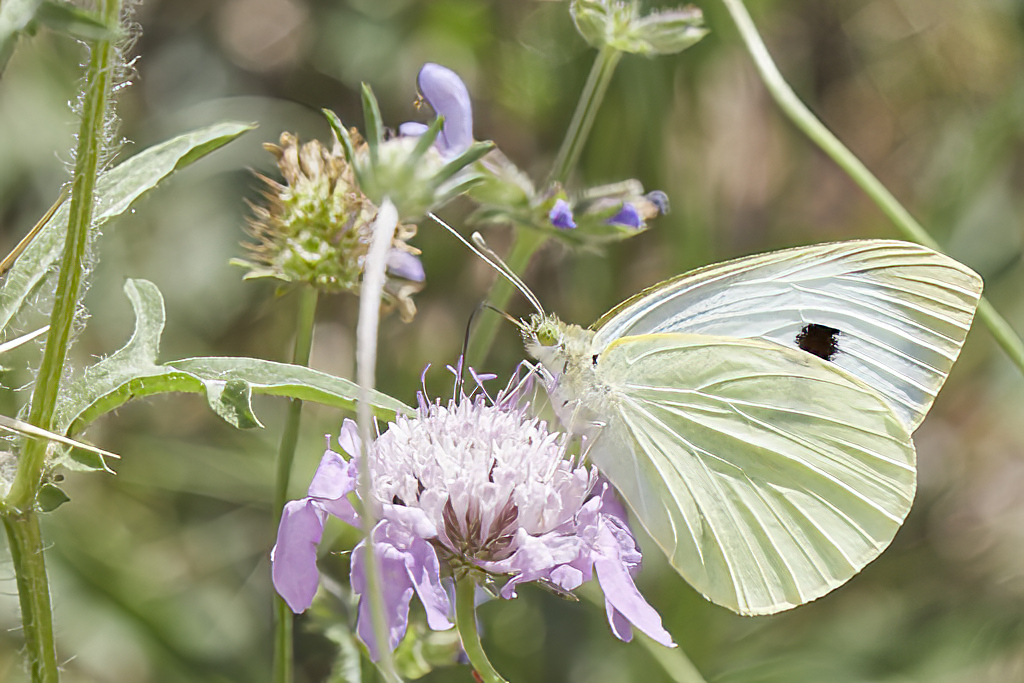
547	334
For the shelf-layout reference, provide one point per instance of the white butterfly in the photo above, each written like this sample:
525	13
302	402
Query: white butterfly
756	414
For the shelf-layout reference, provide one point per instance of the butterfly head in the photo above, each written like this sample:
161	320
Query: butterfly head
542	334
553	342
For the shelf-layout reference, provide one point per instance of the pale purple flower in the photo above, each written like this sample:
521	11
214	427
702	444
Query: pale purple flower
627	216
447	95
406	266
561	215
473	483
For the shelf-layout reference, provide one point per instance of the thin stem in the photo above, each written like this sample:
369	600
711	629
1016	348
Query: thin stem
529	241
482	336
283	617
370	292
806	121
87	160
465	621
26	545
586	110
290	437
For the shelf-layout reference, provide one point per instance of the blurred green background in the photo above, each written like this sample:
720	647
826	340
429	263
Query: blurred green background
160	574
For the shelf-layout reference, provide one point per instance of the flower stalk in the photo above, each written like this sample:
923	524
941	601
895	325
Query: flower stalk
807	122
465	622
283	649
98	83
371	290
527	242
586	111
20	519
26	546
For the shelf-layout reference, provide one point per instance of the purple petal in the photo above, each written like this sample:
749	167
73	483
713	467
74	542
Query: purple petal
424	570
335	478
621	594
561	215
293	559
405	265
348	439
396	589
627	216
620	624
412	128
408	565
447	94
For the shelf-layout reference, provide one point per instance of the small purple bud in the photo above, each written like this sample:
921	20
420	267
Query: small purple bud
659	199
447	94
405	265
561	215
628	216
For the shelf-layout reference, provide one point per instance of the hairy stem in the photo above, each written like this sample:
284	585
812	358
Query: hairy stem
366	363
283	655
465	622
95	102
586	110
806	121
26	545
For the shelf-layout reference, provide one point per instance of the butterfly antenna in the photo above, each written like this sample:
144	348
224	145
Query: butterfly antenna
502	267
487	255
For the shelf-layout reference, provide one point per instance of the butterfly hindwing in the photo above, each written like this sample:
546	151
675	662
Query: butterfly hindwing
768	476
897	312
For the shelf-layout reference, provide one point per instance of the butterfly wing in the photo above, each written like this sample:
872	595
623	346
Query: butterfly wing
902	311
768	476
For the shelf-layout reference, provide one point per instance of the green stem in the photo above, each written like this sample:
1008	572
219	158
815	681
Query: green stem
283	654
806	121
482	336
465	622
87	160
290	437
672	660
370	292
529	241
586	110
26	545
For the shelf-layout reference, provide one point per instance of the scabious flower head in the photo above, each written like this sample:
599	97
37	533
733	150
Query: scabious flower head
315	227
474	485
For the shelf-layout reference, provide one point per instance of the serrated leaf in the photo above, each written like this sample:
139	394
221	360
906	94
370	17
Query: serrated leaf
116	189
51	497
227	383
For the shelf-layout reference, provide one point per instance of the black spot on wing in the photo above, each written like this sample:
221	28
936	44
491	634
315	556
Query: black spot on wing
821	340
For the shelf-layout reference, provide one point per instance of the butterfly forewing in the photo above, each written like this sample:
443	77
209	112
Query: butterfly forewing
768	476
901	310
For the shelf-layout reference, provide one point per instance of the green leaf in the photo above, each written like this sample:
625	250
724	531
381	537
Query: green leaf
227	383
15	16
74	21
373	121
116	189
51	497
